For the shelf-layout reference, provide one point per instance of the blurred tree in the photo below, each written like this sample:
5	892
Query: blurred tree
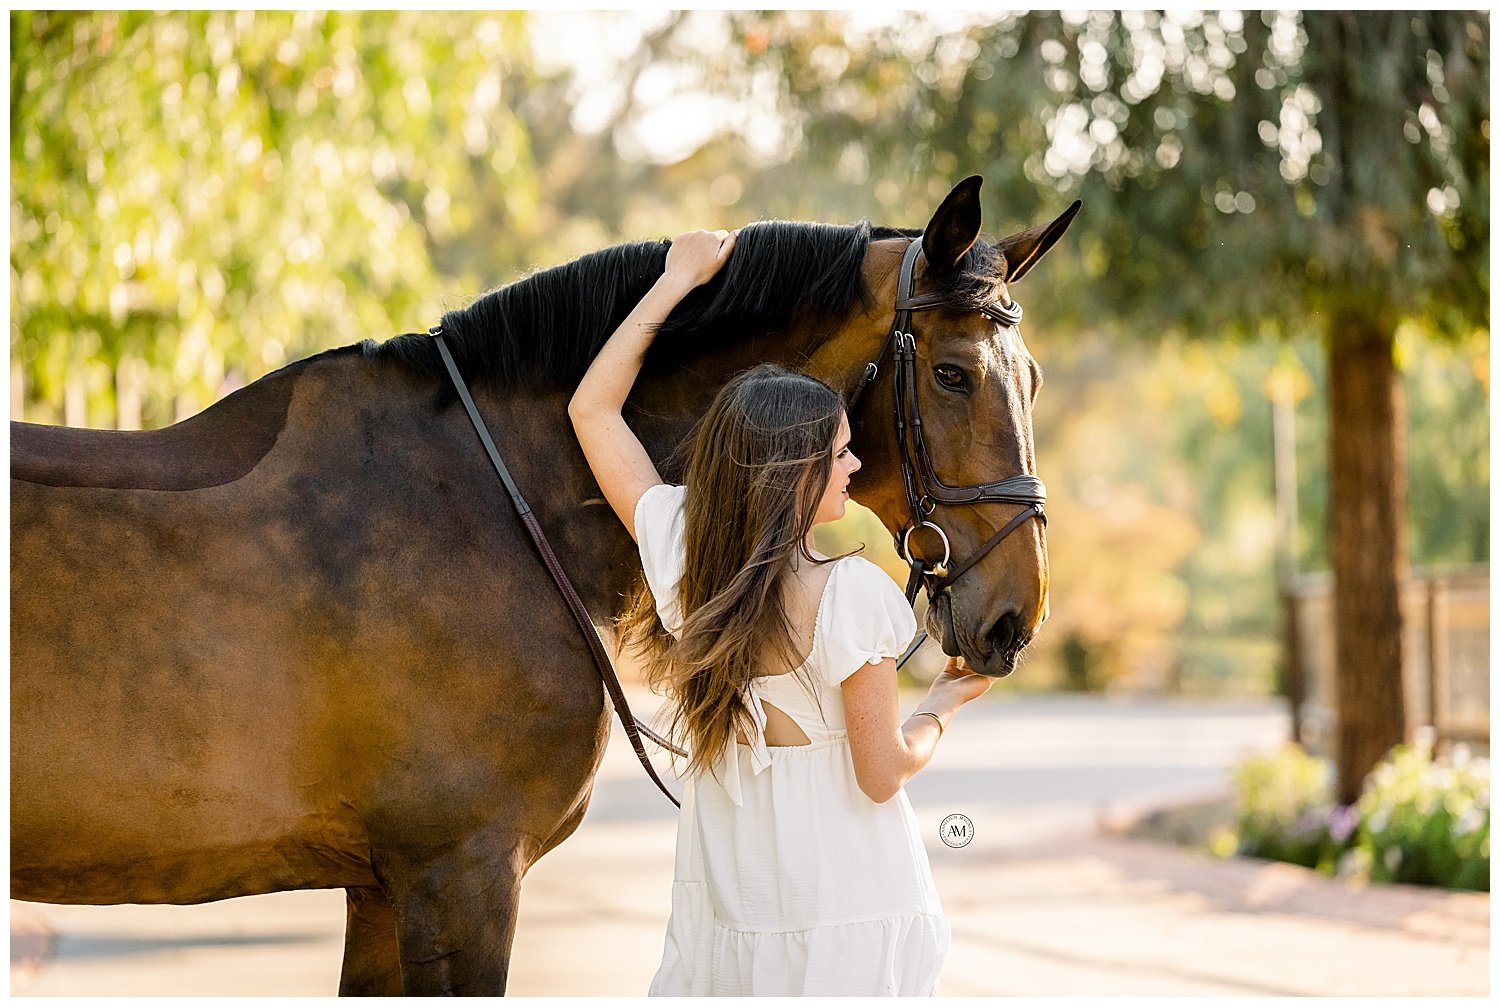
1321	172
1126	594
198	197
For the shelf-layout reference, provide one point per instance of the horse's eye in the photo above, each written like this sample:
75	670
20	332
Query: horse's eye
950	377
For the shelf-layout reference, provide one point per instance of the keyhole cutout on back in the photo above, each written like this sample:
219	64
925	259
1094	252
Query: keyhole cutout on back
781	730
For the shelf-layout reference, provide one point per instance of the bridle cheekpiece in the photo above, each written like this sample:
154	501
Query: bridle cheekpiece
923	489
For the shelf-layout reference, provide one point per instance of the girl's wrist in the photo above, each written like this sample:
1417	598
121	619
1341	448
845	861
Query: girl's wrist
941	700
930	715
674	285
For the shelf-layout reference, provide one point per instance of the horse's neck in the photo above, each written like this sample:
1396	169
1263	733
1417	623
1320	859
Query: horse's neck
680	392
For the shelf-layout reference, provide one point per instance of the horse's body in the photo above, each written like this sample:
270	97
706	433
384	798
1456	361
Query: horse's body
323	659
301	641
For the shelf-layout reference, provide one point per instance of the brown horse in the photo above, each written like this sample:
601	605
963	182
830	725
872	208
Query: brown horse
300	640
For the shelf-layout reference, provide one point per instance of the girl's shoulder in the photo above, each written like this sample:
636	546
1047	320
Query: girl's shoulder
861	577
659	541
864	619
658	516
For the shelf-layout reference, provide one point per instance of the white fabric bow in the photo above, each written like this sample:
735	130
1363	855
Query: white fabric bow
760	756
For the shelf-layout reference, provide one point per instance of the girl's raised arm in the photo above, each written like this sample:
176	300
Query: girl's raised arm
615	455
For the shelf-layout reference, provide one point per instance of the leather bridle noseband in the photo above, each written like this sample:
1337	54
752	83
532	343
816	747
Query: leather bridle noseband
924	490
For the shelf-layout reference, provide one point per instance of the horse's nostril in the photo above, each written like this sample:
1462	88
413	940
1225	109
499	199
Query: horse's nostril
1005	632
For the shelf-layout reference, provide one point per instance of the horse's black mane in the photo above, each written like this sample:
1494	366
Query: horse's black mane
545	329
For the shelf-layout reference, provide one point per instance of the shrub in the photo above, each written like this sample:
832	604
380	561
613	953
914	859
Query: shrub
1427	822
1418	820
1285	810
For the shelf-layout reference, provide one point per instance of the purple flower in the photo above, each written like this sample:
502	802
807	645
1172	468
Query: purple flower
1342	821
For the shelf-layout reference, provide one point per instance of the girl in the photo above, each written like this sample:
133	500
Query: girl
799	866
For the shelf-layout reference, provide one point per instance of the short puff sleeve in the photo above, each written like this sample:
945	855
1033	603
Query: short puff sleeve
864	619
659	524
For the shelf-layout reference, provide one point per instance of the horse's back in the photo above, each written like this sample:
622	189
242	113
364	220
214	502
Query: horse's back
217	446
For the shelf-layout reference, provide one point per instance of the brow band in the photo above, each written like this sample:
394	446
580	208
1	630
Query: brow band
1008	313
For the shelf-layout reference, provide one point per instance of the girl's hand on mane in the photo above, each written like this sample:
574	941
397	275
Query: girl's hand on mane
695	257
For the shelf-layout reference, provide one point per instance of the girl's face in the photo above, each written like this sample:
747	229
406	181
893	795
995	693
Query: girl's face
836	494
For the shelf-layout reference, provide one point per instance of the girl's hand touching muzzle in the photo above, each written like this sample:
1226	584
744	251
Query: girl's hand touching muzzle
962	683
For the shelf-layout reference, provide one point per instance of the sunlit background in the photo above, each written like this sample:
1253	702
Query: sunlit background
199	198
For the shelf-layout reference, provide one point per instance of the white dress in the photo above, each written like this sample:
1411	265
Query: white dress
789	880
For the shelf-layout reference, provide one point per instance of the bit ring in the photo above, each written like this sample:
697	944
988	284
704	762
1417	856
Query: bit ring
939	569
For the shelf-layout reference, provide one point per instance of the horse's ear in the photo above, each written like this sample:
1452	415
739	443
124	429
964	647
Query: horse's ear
1024	248
954	227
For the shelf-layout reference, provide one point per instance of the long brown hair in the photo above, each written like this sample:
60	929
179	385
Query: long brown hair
758	463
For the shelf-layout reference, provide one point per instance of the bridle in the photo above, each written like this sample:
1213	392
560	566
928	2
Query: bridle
924	490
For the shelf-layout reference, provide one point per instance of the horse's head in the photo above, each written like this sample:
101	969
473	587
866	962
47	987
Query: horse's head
967	418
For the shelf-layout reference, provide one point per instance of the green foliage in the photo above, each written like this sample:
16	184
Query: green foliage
1419	820
1447	448
1285	811
1426	822
1238	171
210	194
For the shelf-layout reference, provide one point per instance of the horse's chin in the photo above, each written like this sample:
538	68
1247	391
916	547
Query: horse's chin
998	666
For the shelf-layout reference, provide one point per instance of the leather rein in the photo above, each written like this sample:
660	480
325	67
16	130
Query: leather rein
924	491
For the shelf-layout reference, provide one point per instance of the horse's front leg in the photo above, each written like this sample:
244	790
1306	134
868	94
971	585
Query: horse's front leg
455	914
372	960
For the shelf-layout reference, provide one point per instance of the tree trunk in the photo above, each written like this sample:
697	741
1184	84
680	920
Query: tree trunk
1367	469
